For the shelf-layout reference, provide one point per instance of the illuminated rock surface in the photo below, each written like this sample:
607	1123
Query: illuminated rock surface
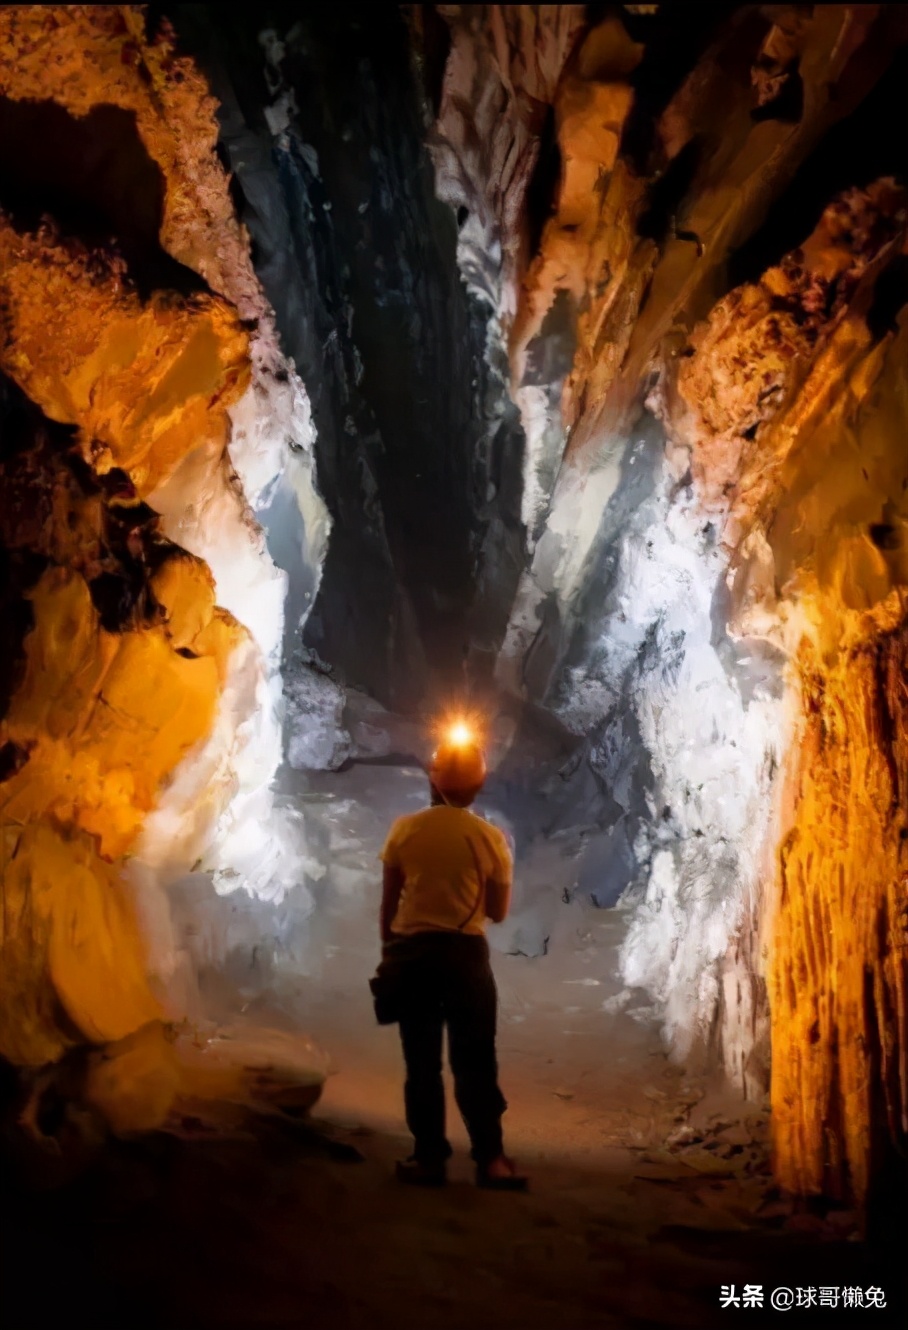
142	728
694	612
592	333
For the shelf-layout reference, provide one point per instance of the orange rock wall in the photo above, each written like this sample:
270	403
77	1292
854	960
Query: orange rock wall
838	959
838	934
145	383
126	656
635	298
82	56
795	414
789	406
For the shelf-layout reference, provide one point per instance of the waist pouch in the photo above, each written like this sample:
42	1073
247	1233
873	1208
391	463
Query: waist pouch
405	963
386	998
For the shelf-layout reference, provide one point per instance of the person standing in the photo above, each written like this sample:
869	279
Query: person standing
446	871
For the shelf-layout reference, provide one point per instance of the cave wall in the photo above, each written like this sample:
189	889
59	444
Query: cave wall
837	950
683	536
684	261
837	960
419	455
147	411
819	570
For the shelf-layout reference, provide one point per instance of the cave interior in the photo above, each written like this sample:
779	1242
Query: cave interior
366	365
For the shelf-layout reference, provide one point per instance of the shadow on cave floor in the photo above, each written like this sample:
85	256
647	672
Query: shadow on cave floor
259	1232
258	1222
265	1226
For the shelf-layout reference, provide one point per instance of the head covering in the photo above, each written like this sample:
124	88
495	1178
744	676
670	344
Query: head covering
458	768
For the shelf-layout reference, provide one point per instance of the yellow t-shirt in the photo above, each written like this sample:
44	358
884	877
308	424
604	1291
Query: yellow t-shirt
446	855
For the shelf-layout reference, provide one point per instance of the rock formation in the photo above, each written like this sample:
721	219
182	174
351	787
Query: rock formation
602	319
143	392
780	508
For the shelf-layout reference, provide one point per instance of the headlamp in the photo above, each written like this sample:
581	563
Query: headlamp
460	734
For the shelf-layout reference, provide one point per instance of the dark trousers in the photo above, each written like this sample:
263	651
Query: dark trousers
446	980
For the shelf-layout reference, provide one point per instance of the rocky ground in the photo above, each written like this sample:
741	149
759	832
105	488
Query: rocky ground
650	1190
272	1226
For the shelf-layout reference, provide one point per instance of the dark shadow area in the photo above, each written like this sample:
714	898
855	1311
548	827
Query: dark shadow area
853	152
17	619
93	177
544	182
435	47
550	355
46	490
25	508
416	437
669	191
164	1233
676	36
889	295
788	105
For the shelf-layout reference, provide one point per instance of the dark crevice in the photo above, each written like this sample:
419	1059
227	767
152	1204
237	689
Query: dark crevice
435	49
676	36
119	598
788	106
92	177
20	568
853	152
47	491
668	192
884	535
359	258
890	295
13	757
543	183
155	20
16	621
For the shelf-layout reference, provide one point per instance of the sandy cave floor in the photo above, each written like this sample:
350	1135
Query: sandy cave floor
650	1187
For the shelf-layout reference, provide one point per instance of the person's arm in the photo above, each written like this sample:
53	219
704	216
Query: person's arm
498	900
392	886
